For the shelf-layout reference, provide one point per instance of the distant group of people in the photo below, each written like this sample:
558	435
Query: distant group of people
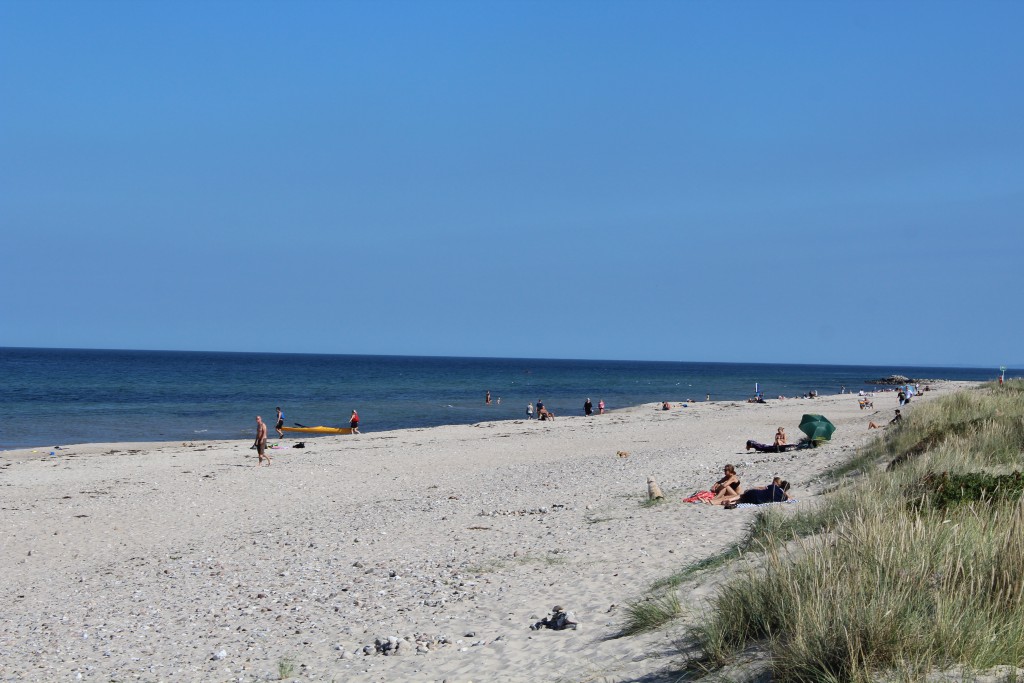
260	444
542	412
727	490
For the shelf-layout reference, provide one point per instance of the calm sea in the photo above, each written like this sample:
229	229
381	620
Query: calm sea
62	396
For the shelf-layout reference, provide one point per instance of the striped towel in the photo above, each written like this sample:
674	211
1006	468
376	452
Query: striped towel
764	505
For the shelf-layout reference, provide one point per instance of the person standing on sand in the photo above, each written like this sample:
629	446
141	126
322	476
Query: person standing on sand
354	422
529	411
261	441
280	423
600	407
588	408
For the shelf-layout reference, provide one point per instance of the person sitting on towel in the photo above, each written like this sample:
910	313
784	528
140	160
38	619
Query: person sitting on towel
726	488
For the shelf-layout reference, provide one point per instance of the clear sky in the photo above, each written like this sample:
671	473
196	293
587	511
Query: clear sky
810	182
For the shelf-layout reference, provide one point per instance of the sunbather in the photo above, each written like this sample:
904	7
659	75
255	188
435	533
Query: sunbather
731	479
765	448
727	487
775	492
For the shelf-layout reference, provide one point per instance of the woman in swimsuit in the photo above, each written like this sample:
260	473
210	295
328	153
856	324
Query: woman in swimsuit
726	488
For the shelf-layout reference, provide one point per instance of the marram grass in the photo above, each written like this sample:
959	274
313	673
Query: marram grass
652	613
881	578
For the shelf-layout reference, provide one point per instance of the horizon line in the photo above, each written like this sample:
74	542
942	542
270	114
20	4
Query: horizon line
1009	367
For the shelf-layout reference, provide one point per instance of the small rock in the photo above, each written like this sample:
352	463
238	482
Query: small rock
217	656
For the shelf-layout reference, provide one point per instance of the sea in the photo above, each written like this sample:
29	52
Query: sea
52	397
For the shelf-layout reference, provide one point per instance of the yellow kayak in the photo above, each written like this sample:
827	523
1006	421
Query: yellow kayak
318	430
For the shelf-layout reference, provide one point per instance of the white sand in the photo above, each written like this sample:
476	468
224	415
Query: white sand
144	561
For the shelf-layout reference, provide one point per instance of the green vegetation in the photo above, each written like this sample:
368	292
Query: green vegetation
652	613
708	563
947	490
285	668
916	565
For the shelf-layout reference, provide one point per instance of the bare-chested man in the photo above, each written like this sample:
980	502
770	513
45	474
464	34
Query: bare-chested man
261	441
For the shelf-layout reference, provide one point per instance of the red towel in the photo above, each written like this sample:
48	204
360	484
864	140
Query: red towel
699	496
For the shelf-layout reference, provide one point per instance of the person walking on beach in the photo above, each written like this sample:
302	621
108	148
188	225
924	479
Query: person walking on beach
279	423
588	408
353	422
261	441
529	411
600	407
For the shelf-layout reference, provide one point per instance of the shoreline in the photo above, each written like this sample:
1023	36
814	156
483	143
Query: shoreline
72	398
94	447
164	555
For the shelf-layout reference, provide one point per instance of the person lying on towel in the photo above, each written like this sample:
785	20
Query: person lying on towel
775	492
766	448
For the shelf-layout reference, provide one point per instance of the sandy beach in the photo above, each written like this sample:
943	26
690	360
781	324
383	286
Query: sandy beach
185	562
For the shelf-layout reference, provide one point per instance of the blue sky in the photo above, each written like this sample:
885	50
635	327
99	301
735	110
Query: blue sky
809	182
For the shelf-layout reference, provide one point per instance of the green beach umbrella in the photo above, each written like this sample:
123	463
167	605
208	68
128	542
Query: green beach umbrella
817	427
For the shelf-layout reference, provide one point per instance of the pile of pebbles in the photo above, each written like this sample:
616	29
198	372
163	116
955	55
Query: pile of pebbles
417	643
555	507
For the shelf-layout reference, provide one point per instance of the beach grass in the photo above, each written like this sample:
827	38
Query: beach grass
913	567
651	613
285	669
